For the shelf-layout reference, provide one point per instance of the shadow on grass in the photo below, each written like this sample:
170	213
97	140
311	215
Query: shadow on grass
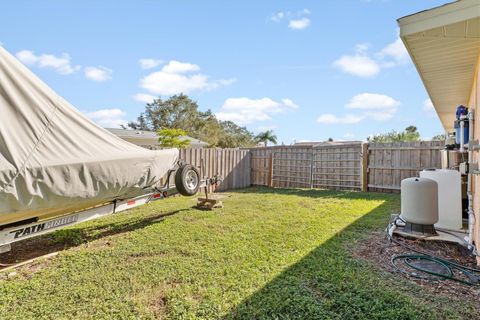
74	236
319	193
329	283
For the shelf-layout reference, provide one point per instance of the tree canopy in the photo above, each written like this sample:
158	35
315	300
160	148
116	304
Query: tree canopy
172	138
409	134
181	112
439	137
265	137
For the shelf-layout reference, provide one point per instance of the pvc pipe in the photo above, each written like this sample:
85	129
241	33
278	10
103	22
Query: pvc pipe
471	213
462	135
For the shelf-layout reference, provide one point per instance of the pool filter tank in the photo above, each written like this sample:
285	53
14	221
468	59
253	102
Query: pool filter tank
461	116
419	201
449	184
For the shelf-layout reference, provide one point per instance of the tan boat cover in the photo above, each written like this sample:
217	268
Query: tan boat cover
53	159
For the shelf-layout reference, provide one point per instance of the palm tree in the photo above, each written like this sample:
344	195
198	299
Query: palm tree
266	136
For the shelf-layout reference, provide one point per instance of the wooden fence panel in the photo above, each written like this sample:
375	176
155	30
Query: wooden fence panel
390	163
330	166
337	166
292	167
261	166
374	167
232	164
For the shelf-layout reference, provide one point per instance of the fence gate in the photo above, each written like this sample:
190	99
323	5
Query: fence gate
337	166
292	168
329	166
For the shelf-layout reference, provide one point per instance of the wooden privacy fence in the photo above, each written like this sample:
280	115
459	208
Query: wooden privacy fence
232	164
262	165
326	166
390	163
354	166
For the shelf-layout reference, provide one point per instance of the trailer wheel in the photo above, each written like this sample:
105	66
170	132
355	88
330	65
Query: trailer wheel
187	180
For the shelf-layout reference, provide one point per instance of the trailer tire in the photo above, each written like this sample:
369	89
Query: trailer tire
187	180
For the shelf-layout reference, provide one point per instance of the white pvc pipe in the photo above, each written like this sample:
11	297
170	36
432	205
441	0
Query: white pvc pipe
471	213
462	136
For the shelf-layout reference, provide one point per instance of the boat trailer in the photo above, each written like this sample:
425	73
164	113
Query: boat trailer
186	182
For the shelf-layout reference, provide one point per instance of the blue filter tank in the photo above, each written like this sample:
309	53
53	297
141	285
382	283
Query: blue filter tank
461	112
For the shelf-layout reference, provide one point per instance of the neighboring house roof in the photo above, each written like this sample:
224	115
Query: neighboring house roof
150	135
444	44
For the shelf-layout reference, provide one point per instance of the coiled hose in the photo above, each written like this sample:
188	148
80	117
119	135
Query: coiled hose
447	267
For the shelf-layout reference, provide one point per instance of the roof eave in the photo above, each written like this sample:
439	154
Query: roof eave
437	17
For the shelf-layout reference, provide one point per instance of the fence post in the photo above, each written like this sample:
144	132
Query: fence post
312	157
270	170
364	167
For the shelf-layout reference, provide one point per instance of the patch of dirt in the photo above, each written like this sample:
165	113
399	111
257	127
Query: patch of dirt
29	249
378	250
155	299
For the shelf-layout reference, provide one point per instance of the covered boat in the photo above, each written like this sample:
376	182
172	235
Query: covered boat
54	160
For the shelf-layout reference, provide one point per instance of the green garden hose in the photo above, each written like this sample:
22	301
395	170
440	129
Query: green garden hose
446	266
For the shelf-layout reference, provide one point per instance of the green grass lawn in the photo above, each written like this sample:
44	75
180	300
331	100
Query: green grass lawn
269	254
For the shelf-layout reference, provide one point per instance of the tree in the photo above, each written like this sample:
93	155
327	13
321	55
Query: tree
439	137
140	124
235	136
181	112
177	112
409	134
172	138
265	137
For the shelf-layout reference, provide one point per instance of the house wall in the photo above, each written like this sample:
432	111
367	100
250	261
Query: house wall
474	103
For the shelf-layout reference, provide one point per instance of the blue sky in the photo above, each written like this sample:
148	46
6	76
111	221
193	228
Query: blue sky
309	70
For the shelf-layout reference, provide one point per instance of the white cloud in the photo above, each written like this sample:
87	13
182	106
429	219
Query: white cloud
359	64
373	106
376	106
170	83
245	110
394	53
179	77
429	109
149	63
108	118
329	118
369	101
363	64
180	67
296	20
289	103
60	64
428	106
349	135
277	16
144	97
299	24
98	74
225	82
